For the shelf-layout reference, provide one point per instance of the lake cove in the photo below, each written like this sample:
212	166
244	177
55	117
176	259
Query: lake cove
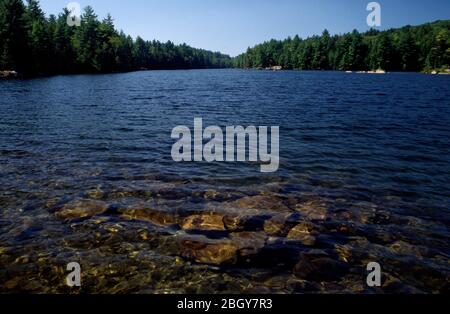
194	305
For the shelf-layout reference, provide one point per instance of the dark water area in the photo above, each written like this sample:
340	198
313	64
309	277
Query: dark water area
86	175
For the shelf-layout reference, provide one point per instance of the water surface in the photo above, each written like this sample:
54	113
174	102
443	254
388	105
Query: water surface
86	175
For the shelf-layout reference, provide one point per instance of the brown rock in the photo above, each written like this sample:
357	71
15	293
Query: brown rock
249	243
275	225
236	222
95	194
303	233
394	285
208	251
314	210
157	216
280	225
344	252
402	247
221	251
262	202
319	268
82	209
212	222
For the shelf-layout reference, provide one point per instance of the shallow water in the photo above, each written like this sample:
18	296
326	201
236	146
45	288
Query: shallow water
86	176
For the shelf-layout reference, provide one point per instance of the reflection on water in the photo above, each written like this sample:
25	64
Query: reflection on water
86	176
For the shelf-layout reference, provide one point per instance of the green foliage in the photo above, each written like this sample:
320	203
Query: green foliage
33	44
13	35
409	48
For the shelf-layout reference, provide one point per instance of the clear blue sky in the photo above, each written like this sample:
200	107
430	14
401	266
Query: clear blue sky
230	26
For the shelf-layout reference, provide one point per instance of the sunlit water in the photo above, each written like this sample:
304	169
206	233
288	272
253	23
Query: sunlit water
364	164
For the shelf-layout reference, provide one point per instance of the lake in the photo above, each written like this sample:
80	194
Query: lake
86	175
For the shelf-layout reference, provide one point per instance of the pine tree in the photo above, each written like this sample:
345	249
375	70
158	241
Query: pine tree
86	43
14	53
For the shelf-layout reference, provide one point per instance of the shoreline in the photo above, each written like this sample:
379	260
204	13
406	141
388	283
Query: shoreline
13	75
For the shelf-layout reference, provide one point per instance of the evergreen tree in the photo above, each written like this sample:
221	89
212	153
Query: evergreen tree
33	44
13	36
409	48
86	42
39	38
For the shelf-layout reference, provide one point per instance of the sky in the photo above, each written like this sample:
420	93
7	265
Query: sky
231	26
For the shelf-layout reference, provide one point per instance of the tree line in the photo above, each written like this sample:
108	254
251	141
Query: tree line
33	44
411	48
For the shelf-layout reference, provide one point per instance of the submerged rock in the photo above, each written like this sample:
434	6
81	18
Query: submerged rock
249	243
280	225
82	209
220	196
314	210
278	253
319	267
146	213
211	222
394	285
262	202
95	194
208	251
402	247
304	233
221	251
245	222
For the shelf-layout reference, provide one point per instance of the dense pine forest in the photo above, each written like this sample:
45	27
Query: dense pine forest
33	44
411	48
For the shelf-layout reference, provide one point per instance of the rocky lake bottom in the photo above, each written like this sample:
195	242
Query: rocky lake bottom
176	239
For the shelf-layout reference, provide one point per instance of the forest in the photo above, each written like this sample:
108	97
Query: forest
410	48
33	44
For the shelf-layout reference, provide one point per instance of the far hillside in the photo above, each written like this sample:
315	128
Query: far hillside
410	48
33	44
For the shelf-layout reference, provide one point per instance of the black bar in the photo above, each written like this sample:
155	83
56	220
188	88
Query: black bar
238	304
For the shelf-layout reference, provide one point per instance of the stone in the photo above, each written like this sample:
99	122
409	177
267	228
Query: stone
344	252
402	247
250	222
12	283
156	216
220	196
277	253
314	210
9	74
262	202
303	233
319	268
302	286
211	222
280	225
208	251
249	243
239	246
82	208
394	285
95	194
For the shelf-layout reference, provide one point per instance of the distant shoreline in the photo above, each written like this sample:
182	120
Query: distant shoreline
8	75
